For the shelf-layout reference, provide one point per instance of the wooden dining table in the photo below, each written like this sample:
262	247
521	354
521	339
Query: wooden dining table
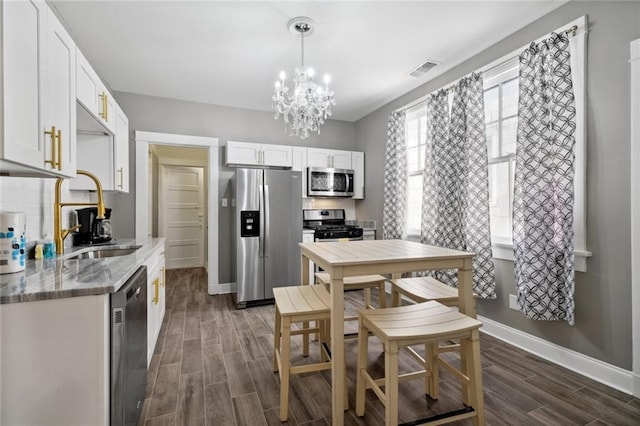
352	258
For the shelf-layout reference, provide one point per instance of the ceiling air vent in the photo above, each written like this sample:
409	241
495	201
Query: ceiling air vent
422	69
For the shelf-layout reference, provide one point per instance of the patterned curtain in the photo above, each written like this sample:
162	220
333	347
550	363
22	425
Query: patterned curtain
395	179
455	198
543	193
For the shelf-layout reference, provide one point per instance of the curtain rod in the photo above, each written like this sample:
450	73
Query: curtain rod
571	31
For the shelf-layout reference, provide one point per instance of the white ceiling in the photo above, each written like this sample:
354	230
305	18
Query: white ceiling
230	53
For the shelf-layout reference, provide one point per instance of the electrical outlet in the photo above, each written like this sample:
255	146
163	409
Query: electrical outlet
224	202
513	302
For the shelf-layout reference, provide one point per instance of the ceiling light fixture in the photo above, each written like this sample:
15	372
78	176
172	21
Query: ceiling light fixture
308	105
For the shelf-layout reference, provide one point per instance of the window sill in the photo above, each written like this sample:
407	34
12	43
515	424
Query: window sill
504	251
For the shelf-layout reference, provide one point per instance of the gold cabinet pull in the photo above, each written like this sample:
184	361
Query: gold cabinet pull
105	113
164	277
59	150
53	161
121	177
156	291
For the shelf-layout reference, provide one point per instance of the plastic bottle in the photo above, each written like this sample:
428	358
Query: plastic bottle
49	251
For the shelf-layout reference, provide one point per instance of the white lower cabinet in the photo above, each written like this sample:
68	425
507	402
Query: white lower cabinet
156	300
55	362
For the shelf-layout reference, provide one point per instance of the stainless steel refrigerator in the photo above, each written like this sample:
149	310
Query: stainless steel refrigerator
268	228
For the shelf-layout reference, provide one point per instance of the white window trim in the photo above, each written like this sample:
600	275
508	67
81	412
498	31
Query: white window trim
503	249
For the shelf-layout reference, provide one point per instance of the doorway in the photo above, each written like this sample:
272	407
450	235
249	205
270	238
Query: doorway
147	197
181	215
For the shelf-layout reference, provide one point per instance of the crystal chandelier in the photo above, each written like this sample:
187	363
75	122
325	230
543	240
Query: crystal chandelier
308	105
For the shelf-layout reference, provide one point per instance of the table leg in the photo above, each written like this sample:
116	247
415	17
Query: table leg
337	347
304	280
467	306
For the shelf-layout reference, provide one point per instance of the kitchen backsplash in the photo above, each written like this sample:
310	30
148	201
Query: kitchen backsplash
35	198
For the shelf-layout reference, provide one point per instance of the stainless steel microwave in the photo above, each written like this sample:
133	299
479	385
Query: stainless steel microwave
323	182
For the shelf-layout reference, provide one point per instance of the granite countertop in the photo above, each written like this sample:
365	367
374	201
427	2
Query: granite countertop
64	277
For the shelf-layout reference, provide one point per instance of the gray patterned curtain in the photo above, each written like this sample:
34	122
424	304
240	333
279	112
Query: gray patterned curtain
455	198
543	193
395	179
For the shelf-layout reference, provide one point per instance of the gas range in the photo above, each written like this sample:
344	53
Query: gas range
329	224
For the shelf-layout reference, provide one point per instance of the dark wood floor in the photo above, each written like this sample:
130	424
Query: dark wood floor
212	366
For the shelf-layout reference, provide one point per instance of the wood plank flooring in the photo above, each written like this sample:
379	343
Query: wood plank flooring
213	366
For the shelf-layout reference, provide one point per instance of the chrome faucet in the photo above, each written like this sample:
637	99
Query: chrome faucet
60	234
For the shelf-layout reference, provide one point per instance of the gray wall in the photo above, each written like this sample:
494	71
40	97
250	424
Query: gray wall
163	115
603	294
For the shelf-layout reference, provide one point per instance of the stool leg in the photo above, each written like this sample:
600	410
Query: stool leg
475	375
361	367
367	297
322	337
395	297
382	295
305	339
391	383
276	339
431	365
285	356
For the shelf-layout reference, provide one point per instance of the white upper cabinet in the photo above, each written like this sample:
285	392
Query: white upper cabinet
122	150
300	165
38	83
255	154
93	94
357	163
331	158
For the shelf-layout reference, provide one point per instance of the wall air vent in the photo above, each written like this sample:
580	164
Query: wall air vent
422	69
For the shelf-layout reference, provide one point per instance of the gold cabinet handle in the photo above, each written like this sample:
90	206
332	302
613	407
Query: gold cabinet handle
53	134
59	150
156	291
105	113
164	277
121	177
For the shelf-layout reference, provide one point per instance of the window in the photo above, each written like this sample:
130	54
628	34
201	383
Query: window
416	142
501	119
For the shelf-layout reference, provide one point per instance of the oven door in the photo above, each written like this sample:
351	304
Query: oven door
323	182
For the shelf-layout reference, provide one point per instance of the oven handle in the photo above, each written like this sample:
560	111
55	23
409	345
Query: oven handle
335	240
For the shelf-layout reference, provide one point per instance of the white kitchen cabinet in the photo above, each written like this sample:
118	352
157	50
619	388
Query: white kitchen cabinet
38	79
331	158
92	93
122	151
102	153
55	362
256	154
156	300
357	163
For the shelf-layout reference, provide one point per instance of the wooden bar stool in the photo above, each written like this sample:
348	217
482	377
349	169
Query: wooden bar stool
423	323
299	304
362	282
425	289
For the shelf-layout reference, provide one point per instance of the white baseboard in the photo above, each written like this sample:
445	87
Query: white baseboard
636	385
610	375
221	288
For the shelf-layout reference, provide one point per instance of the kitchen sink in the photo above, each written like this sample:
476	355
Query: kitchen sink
105	252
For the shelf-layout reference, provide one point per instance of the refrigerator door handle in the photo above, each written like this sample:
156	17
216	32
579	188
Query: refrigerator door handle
261	238
267	232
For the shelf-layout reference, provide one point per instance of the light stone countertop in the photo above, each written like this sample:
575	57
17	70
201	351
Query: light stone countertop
63	277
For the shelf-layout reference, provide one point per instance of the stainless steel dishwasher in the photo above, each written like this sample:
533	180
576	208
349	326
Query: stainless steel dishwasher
129	349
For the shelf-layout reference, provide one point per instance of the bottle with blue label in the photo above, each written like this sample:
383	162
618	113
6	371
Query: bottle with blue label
13	242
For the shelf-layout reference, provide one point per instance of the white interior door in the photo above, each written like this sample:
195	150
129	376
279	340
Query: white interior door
181	215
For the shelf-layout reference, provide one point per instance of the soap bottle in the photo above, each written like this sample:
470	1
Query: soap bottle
49	250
